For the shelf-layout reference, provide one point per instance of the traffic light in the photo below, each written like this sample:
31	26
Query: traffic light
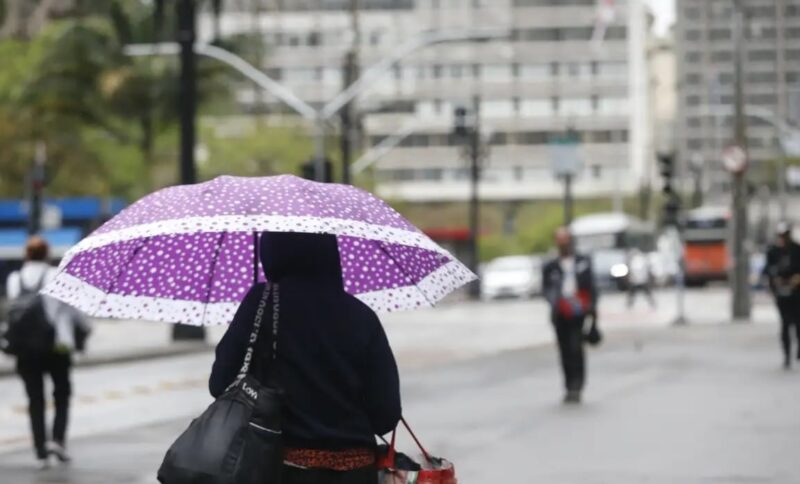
461	122
666	165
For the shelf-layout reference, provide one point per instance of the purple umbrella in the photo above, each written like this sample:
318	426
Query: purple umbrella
186	253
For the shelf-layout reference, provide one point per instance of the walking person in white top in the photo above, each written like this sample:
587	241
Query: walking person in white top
639	277
67	325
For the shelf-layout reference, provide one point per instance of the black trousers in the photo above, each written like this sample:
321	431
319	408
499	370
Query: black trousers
789	309
294	475
569	333
32	372
643	288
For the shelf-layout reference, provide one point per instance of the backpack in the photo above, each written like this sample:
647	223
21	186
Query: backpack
30	333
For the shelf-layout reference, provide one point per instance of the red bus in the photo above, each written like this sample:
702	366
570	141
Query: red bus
706	245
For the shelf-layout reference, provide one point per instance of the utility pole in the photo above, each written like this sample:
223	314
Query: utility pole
37	181
739	280
474	205
568	210
350	75
187	32
467	128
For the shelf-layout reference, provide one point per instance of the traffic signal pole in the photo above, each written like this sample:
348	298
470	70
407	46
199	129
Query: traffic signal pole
671	219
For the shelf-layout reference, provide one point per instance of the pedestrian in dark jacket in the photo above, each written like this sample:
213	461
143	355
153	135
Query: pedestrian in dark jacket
783	272
569	287
333	362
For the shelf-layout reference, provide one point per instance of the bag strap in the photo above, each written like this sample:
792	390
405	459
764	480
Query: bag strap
36	287
248	356
392	448
271	373
416	440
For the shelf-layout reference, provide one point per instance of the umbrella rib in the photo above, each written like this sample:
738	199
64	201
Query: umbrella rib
122	267
402	270
221	241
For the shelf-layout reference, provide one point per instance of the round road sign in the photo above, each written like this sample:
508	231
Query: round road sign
734	158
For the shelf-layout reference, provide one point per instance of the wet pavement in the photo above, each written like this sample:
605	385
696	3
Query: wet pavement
703	404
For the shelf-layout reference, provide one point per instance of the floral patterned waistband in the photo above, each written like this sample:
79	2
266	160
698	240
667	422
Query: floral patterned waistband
337	460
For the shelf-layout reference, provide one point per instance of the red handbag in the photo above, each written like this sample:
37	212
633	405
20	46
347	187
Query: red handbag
433	471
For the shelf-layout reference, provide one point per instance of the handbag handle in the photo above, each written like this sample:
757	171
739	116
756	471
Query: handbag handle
392	449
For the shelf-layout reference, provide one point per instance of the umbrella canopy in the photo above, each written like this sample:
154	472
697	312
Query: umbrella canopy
186	253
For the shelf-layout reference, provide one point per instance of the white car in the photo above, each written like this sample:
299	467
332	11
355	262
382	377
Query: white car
518	276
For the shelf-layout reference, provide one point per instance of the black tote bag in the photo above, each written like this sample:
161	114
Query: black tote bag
238	439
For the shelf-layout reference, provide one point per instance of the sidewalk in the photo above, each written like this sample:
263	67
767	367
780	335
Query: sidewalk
455	330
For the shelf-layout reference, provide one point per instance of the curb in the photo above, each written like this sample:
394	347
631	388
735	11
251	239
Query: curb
176	349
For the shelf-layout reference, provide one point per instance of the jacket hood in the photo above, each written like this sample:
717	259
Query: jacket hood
297	254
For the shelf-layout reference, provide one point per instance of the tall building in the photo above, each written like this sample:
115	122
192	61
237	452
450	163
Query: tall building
548	77
706	63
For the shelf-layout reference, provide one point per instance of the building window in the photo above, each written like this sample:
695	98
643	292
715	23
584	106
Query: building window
456	71
695	144
761	55
534	71
770	77
613	70
476	71
722	56
693	35
616	33
762	99
497	73
515	102
692	12
577	33
533	138
497	108
536	107
576	106
555	104
437	71
719	34
577	69
692	57
612	106
694	78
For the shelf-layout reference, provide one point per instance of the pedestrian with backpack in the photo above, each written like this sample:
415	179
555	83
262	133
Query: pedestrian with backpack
42	334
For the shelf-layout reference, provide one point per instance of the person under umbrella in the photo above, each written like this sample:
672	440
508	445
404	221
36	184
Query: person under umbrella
334	364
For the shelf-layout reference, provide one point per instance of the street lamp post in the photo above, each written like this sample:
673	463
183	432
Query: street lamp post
741	291
319	118
187	32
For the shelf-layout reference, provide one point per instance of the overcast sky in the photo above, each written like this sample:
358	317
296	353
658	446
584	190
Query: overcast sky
664	11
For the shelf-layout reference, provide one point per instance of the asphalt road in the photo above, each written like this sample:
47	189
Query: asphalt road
704	404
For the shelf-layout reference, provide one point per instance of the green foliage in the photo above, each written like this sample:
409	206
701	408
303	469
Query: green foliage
250	148
107	120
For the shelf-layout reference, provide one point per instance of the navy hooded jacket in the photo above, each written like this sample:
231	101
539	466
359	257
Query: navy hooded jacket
334	362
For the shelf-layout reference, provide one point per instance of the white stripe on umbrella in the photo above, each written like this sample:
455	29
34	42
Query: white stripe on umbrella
259	223
92	300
